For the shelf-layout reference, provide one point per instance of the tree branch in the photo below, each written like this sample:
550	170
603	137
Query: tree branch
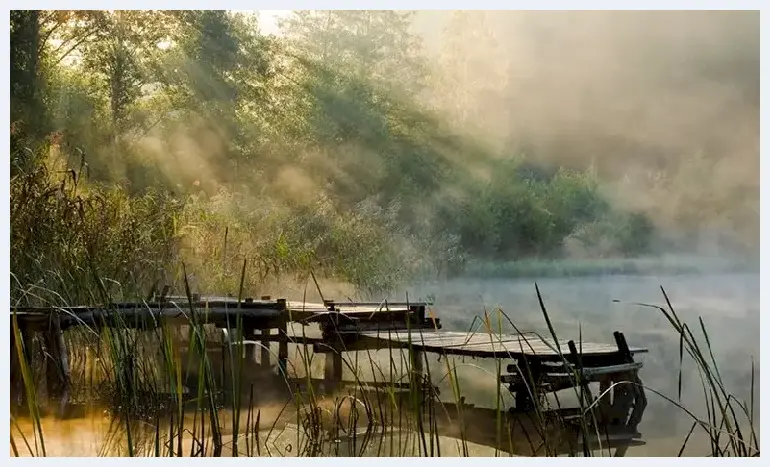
44	40
69	51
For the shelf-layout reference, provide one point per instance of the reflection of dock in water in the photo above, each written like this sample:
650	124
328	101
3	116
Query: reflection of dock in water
535	366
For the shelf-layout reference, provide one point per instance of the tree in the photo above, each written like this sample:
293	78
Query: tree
121	51
471	72
372	46
27	110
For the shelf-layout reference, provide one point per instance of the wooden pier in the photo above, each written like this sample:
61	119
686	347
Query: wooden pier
536	365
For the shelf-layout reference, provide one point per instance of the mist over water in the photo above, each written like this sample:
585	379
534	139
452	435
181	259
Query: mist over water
728	303
663	107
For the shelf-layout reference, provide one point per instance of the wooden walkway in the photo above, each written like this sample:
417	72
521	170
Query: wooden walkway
220	311
537	364
480	344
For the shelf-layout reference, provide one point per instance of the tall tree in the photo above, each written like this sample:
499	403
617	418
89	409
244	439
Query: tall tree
374	45
221	59
27	109
120	52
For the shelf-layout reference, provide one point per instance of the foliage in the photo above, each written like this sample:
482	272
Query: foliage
310	150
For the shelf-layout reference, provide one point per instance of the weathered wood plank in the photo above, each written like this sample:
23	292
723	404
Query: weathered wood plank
455	339
221	311
478	344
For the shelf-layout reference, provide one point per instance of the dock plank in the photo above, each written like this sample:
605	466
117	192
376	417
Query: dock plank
346	308
482	344
207	310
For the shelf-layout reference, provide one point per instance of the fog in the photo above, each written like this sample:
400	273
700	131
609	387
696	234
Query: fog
595	307
664	106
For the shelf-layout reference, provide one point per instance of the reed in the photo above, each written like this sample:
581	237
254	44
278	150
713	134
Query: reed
163	404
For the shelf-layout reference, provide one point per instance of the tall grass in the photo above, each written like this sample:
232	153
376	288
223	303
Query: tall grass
730	423
168	402
69	234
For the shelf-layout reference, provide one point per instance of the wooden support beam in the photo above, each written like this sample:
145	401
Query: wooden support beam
283	349
564	378
585	391
526	390
264	358
629	400
331	304
57	361
417	361
604	410
640	403
250	348
332	370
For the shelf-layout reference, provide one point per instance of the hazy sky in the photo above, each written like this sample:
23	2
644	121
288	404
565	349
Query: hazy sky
268	20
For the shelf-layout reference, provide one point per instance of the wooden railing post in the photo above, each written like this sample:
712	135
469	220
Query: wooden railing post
250	347
283	348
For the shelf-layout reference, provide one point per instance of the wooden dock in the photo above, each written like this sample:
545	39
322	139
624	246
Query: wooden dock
536	364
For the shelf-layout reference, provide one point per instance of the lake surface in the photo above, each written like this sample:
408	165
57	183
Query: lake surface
591	306
595	306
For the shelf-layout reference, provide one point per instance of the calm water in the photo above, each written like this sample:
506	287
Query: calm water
92	437
728	304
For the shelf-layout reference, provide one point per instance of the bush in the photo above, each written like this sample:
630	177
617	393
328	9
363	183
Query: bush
517	214
70	235
617	234
67	235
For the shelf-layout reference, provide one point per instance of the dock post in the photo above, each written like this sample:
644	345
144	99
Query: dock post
283	348
417	367
526	390
283	337
57	363
264	358
332	370
250	347
333	357
605	401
